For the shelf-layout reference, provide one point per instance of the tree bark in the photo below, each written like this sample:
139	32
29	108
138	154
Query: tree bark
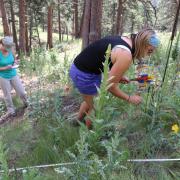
81	22
67	33
113	19
26	30
59	21
95	20
22	27
86	23
91	30
13	21
37	31
49	34
119	21
175	22
30	27
76	24
4	19
73	25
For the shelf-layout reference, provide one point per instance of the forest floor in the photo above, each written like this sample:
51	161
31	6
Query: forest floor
70	104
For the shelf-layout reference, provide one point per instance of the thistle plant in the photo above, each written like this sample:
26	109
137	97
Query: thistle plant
102	98
115	158
31	174
102	115
85	163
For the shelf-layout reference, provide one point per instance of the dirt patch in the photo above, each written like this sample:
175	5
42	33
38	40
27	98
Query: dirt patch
70	104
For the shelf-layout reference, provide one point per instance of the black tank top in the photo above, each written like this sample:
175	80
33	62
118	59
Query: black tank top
91	59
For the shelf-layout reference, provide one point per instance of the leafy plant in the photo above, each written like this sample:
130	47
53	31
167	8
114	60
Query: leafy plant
4	165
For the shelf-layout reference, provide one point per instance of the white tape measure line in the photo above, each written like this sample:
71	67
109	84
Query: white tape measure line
40	166
152	160
73	163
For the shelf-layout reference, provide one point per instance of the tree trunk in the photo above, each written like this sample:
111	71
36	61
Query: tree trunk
37	31
30	27
113	19
86	24
91	30
22	27
59	21
67	32
76	24
73	24
95	20
175	22
13	25
119	21
82	19
26	30
43	25
49	34
4	19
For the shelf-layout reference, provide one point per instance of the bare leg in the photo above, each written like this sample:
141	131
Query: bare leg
86	106
83	110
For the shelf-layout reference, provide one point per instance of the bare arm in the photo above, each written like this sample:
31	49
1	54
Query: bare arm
5	67
122	60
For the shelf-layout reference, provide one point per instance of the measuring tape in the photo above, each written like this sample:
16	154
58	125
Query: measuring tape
73	163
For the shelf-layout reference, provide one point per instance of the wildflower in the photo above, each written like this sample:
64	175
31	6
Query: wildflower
151	77
175	128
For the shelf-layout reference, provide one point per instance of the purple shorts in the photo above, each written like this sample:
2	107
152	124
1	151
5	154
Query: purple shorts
86	83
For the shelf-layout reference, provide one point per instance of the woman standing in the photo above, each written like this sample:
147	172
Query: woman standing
9	77
86	69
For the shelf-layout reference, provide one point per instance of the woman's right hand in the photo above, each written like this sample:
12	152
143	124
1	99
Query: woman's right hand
135	99
124	80
8	67
5	67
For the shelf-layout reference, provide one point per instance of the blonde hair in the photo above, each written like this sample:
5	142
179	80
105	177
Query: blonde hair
140	42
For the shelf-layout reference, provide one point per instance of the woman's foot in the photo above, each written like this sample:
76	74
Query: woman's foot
6	116
26	104
88	124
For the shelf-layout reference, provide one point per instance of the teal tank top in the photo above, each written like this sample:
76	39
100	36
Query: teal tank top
5	61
